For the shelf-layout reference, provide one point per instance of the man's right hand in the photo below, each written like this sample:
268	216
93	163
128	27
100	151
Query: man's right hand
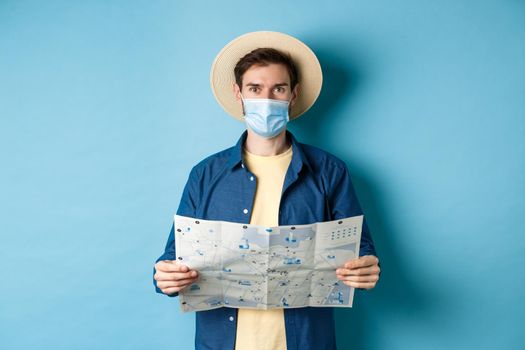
172	276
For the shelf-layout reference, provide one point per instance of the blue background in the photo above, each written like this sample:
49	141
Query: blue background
105	106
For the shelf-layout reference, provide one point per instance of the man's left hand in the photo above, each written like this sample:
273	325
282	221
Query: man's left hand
362	272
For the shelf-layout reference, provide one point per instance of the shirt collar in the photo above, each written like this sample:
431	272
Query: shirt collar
298	156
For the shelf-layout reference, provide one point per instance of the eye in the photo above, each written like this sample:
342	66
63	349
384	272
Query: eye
252	89
279	89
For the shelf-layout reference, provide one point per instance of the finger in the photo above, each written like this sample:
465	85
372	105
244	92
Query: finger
174	276
178	288
171	266
364	285
366	278
360	271
363	261
179	283
170	291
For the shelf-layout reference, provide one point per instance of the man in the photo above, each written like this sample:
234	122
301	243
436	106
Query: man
268	178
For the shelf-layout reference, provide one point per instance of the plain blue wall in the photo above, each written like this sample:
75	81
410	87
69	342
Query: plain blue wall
105	106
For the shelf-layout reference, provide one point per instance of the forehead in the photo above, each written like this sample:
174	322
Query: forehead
272	73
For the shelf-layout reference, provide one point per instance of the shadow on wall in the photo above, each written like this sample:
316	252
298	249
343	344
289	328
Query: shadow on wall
397	294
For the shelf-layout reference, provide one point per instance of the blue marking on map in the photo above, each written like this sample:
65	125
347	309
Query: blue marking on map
239	302
292	261
213	301
292	238
252	236
245	245
338	294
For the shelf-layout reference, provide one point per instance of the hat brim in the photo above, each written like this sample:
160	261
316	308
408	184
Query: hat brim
307	64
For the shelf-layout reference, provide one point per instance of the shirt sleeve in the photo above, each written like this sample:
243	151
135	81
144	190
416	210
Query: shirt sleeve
187	207
343	203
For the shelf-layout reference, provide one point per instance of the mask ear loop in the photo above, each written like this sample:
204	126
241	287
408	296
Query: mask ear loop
242	104
290	106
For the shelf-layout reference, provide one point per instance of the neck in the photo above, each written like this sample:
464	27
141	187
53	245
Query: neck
266	147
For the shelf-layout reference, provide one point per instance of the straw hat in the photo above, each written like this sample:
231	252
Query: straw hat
308	67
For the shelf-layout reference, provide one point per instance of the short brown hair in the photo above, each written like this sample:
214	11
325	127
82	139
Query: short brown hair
262	57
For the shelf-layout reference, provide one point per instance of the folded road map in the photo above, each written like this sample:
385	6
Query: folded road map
251	266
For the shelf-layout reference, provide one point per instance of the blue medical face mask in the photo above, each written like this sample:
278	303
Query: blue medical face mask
266	117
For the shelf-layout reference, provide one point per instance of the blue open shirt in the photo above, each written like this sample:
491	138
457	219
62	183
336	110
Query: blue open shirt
317	187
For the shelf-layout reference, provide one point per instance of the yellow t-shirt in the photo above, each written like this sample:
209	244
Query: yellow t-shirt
264	329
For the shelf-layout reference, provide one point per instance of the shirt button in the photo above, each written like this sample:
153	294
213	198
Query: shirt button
242	164
231	318
251	178
245	211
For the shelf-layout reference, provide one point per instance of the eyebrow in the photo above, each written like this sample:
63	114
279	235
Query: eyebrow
257	85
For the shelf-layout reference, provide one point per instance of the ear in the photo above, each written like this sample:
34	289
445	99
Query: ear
295	94
237	94
236	91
